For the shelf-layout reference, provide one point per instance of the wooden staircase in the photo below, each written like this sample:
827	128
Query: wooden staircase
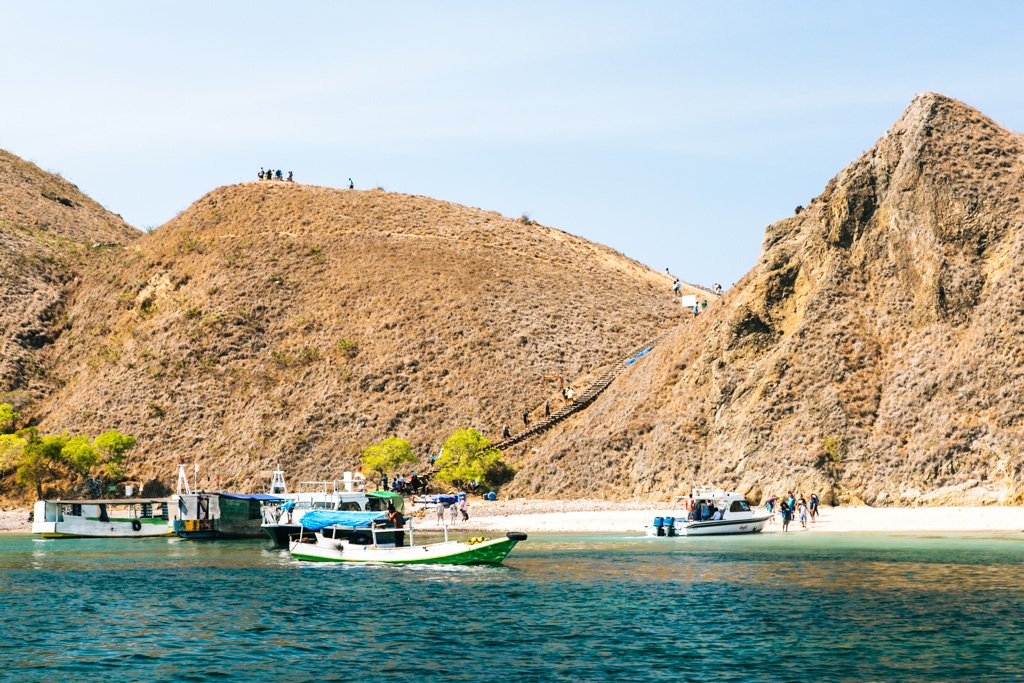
582	400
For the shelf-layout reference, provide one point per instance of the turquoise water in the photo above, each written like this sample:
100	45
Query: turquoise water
808	607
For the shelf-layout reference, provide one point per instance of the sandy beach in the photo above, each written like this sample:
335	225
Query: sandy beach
596	516
585	516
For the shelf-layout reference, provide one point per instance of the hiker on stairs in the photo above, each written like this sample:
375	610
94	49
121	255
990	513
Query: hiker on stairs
569	395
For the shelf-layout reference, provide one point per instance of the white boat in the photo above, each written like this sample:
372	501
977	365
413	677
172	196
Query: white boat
357	537
103	518
280	522
715	513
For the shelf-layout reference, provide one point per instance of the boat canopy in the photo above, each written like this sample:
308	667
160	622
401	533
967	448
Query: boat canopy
394	498
315	520
265	497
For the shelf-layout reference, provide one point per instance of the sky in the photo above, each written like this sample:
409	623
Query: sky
674	132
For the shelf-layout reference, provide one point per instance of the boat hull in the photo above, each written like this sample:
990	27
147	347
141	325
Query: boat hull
452	552
722	527
718	527
96	529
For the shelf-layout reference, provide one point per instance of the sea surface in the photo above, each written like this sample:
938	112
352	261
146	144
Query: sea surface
798	607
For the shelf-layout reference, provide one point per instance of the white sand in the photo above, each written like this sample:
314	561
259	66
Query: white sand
15	521
601	516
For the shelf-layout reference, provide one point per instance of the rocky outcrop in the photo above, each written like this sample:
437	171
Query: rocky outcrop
874	353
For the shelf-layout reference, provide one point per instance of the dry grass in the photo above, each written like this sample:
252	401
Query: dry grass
296	324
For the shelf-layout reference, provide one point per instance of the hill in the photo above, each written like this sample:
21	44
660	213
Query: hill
49	233
875	353
281	323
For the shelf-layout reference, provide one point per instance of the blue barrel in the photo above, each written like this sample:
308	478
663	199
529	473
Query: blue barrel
658	521
491	495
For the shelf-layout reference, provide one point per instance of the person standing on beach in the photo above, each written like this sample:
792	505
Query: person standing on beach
787	515
802	509
440	513
814	506
454	510
463	504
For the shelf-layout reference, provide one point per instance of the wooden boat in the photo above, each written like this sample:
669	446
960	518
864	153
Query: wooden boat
103	518
361	537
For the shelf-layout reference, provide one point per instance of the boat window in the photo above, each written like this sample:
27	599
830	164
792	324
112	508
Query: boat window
739	506
349	505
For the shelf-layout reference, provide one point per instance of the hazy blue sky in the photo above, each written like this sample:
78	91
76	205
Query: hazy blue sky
672	131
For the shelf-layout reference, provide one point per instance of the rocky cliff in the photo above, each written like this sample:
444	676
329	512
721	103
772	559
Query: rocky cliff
875	352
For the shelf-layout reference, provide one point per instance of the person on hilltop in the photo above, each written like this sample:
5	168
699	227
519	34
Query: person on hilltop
290	178
675	287
505	431
718	289
351	185
279	174
703	304
260	174
526	418
547	408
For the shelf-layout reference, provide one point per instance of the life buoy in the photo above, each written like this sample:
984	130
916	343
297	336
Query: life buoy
136	525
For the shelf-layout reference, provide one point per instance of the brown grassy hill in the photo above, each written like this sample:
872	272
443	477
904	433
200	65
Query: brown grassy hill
48	230
875	352
274	322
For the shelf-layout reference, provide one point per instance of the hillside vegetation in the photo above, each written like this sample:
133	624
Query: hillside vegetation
276	323
49	235
874	353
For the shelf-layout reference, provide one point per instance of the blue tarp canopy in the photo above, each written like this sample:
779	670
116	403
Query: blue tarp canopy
315	520
253	496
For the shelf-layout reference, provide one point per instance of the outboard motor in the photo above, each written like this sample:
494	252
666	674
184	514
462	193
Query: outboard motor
670	526
659	526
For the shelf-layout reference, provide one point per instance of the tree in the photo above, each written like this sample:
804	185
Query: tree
80	455
469	456
12	450
8	418
388	455
113	446
41	455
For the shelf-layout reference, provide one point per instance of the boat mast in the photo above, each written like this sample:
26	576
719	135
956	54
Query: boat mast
277	483
182	478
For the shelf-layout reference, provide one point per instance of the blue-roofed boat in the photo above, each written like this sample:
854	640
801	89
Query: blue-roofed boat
368	537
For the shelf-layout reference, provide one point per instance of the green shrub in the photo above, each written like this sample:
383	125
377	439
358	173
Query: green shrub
347	347
388	455
468	456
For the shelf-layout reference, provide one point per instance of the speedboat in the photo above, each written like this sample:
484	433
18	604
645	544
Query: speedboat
715	512
333	536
